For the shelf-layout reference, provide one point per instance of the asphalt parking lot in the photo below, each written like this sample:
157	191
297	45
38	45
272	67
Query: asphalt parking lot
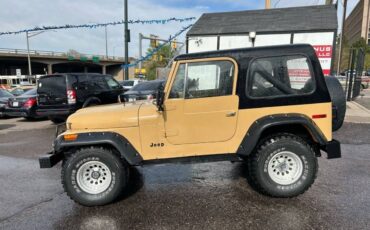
197	196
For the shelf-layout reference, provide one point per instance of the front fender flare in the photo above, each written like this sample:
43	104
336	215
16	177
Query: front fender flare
120	143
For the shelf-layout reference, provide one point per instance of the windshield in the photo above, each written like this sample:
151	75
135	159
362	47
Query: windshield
55	84
148	85
4	93
30	92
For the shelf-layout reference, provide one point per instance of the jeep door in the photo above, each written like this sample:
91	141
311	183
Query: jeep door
201	105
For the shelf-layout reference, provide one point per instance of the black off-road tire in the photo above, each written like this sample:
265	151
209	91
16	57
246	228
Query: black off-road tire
338	98
57	120
70	171
271	147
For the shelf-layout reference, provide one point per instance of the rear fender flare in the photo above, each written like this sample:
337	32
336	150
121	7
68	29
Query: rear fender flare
253	135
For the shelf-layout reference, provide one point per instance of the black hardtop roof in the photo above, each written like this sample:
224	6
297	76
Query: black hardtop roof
65	74
277	20
242	53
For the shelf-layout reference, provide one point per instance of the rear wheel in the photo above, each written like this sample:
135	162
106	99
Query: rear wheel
94	176
284	165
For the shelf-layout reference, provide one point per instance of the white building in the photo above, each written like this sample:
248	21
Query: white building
316	25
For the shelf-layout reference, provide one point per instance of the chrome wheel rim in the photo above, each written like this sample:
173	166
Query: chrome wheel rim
94	177
285	168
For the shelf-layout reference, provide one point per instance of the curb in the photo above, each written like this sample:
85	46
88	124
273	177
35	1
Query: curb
361	107
359	113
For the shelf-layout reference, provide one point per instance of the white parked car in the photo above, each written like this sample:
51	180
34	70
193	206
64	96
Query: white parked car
128	84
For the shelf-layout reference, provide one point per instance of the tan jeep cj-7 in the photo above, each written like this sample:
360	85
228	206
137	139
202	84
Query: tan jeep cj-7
269	106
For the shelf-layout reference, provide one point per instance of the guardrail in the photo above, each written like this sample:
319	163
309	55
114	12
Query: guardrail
66	55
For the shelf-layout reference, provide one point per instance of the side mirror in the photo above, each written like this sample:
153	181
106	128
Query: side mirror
160	99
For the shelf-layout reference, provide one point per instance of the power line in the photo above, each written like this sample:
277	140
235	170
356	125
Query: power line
277	2
96	25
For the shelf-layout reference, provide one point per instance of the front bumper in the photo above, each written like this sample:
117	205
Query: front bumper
50	159
2	111
17	112
54	112
332	148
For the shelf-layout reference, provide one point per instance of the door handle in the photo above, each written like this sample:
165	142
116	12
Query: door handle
230	114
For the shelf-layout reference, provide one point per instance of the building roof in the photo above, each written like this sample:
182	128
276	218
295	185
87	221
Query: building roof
250	52
309	18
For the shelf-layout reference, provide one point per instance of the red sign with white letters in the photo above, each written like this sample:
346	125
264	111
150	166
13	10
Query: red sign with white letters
323	51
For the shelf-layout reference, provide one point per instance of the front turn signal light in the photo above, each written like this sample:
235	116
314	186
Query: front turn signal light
70	137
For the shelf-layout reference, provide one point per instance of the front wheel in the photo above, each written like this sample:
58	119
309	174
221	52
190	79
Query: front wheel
284	165
94	176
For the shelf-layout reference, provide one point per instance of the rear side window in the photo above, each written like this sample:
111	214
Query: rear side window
52	84
280	76
113	84
99	82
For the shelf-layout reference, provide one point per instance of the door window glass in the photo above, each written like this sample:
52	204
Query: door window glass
177	90
209	79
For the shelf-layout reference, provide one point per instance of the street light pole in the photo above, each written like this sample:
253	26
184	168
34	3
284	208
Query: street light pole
28	55
28	36
127	39
106	39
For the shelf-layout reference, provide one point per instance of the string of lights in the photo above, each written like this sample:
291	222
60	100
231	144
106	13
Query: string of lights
149	55
96	25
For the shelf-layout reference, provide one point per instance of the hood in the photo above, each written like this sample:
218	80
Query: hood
105	116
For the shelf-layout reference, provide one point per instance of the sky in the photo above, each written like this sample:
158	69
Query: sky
23	14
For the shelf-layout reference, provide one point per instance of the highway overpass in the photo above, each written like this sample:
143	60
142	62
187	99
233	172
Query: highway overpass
14	62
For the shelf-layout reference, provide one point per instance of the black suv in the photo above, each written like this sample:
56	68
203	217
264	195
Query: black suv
60	95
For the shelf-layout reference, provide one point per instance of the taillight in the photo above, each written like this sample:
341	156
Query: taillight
71	95
30	102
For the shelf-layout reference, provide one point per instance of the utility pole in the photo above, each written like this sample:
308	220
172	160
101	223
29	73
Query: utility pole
127	39
106	42
28	55
267	4
140	49
341	35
